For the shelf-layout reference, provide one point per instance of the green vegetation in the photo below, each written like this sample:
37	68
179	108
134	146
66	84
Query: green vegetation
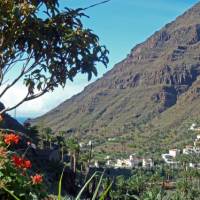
45	52
144	106
161	182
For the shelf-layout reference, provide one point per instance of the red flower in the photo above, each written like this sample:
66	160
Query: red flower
37	179
21	162
17	161
27	164
11	138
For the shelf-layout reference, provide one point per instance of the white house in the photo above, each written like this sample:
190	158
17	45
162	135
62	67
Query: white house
188	150
135	162
123	163
132	162
147	163
96	164
107	157
194	165
192	127
169	159
81	144
111	139
108	162
197	143
174	152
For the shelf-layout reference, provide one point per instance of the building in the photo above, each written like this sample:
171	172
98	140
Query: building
197	142
111	139
147	163
169	160
194	165
174	152
107	157
192	127
135	161
108	163
198	137
81	144
123	163
132	162
188	150
96	164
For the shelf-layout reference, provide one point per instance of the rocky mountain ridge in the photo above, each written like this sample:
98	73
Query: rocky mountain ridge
155	77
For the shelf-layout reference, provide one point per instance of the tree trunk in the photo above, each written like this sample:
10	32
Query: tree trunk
71	162
74	163
50	144
62	153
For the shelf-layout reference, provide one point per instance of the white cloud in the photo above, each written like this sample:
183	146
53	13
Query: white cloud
42	104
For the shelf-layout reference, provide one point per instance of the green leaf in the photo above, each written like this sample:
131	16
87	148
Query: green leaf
11	193
1	174
98	186
86	184
89	76
94	70
102	197
60	185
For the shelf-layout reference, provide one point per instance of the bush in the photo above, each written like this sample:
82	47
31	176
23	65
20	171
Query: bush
17	180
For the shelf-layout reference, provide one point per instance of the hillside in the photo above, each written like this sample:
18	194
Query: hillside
153	90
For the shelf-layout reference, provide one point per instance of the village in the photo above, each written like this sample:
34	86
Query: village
169	158
133	161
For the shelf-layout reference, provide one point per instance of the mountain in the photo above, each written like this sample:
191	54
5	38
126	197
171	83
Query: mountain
10	123
153	91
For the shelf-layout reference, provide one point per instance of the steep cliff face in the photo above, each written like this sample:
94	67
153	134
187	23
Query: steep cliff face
155	77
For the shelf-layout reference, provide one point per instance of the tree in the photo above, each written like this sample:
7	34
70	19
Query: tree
61	143
74	149
44	52
48	135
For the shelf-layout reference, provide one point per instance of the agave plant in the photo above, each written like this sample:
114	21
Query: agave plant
96	194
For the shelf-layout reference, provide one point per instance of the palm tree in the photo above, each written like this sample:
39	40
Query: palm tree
137	183
183	187
184	160
48	133
74	148
154	194
61	143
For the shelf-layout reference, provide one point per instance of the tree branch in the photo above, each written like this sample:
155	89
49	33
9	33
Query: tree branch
18	104
24	71
94	5
26	98
37	95
10	85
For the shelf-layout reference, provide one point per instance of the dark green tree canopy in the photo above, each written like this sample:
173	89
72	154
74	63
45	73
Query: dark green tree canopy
47	50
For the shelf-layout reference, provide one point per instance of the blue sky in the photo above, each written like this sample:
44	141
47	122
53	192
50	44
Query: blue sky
120	24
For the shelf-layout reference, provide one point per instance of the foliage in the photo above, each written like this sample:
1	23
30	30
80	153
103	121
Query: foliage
147	185
45	51
17	178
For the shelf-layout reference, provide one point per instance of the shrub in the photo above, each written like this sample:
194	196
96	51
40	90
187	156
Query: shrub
17	179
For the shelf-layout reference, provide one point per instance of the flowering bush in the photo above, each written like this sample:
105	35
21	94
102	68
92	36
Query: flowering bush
11	138
17	180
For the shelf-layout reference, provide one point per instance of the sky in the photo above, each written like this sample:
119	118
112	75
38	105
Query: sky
120	24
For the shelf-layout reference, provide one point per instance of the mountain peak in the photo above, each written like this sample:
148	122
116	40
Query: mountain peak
154	79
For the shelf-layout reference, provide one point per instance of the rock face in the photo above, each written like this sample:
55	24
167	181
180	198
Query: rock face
156	77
